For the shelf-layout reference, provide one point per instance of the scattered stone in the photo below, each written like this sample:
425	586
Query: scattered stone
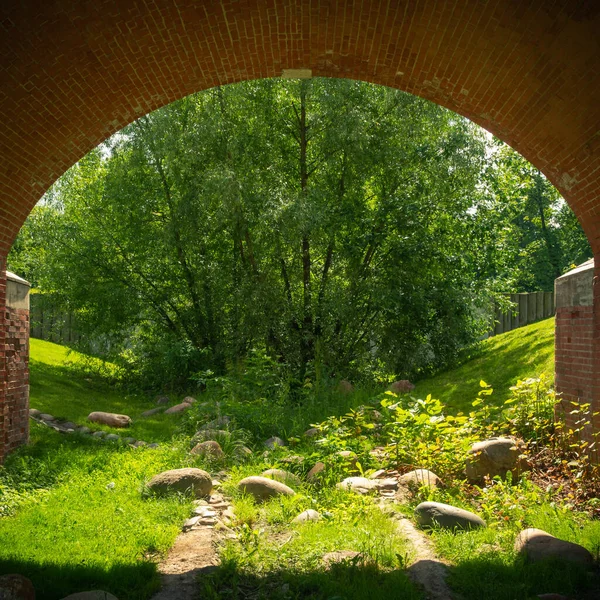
34	412
152	411
340	556
129	440
69	425
420	477
349	458
273	442
204	435
379	474
110	419
153	445
308	515
262	488
243	451
207	521
537	545
345	387
315	472
387	484
16	587
402	386
83	430
178	408
99	434
283	476
360	485
228	513
494	457
189	400
197	481
208	449
94	595
163	400
215	499
293	459
140	444
46	417
190	522
205	511
430	514
112	437
312	432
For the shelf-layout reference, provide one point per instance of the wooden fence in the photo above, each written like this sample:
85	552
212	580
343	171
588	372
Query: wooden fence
529	308
50	322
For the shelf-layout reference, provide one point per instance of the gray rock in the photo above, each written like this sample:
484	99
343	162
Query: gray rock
315	472
153	411
153	445
34	412
420	477
263	488
139	444
69	425
16	587
312	432
191	522
283	476
178	408
537	545
83	430
163	400
308	515
218	435
46	417
110	419
243	451
189	400
208	449
99	434
360	485
345	387
273	442
494	457
197	481
112	437
129	440
94	595
430	514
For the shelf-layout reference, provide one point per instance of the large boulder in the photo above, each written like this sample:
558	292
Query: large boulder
197	481
263	488
93	595
402	386
494	457
535	545
420	477
431	514
208	449
345	387
281	475
16	587
360	485
110	419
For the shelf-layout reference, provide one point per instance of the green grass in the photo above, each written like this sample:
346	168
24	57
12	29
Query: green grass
500	361
67	384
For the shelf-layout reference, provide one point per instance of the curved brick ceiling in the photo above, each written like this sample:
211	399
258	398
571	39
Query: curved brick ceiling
74	72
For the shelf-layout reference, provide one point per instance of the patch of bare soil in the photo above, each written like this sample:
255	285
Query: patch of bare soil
192	554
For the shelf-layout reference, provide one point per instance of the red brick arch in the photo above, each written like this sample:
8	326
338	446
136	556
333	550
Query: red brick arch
73	72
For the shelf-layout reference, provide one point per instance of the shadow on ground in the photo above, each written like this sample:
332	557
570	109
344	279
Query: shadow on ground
53	582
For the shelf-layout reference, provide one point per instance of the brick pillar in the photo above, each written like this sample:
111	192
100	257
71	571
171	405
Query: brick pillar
14	363
577	342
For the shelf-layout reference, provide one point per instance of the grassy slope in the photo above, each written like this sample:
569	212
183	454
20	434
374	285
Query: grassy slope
501	361
58	388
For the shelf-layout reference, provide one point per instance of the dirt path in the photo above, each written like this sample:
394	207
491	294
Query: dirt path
192	554
426	570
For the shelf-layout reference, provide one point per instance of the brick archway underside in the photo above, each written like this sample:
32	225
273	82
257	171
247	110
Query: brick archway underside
72	73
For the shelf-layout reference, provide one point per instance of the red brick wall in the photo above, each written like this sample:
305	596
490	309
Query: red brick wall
14	382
